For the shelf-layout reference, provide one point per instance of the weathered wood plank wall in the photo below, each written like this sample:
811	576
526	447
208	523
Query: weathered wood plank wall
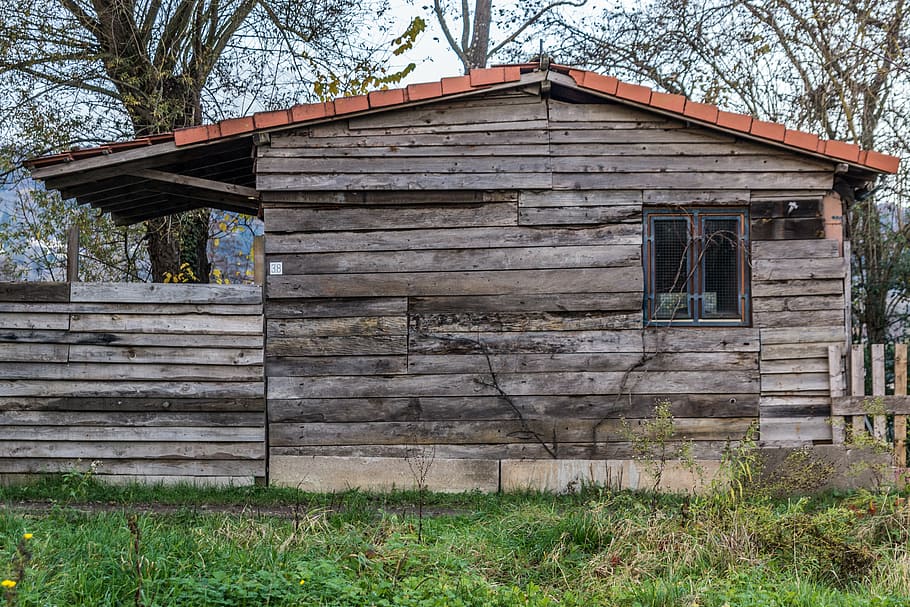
158	382
469	275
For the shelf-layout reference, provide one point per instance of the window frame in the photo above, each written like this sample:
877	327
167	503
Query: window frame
695	282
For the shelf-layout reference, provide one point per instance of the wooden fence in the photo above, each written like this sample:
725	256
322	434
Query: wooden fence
158	381
879	414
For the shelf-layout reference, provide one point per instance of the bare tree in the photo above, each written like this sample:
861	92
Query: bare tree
836	67
105	69
474	46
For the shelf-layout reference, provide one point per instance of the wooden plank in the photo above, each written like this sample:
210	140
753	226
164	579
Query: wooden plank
397	165
807	303
416	148
47	353
467	238
878	388
147	434
144	308
410	181
505	127
674	196
559	407
539	363
166	293
794	382
72	254
387	198
701	179
685	164
171	324
528	199
129	372
518	384
523	108
801	335
485	432
348	345
282	219
354	325
131	389
299	366
196	183
34	292
795	249
130	419
692	339
787	229
808	318
35	321
489	282
518	139
523	321
837	384
563	302
900	421
788	288
806	269
142	468
175	356
578	215
514	258
798	365
857	388
790	430
203	340
855	404
188	403
334	308
542	342
791	351
134	450
637	136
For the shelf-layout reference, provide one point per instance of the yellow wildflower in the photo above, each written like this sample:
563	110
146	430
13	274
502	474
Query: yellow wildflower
302	582
28	536
8	584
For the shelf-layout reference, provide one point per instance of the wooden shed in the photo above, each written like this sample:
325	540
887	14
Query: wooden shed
494	271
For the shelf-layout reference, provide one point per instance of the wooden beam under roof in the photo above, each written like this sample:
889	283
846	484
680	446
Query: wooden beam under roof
198	183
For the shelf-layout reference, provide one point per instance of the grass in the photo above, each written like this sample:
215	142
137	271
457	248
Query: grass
258	546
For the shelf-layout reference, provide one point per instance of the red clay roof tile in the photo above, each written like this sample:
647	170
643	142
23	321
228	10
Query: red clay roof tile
311	111
768	130
666	101
456	84
734	121
842	150
424	90
237	126
701	111
477	79
266	120
633	92
488	76
879	161
348	105
799	139
604	84
385	98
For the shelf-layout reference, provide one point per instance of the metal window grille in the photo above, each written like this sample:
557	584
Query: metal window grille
695	266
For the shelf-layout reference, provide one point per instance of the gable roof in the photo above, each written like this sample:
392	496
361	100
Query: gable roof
482	79
213	165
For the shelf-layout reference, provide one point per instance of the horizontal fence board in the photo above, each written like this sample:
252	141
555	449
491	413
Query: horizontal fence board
454	322
134	449
173	356
517	384
35	292
351	325
349	345
110	372
131	388
32	320
182	323
796	249
445	408
488	282
337	307
137	467
102	418
130	433
515	258
165	293
466	238
806	269
104	338
129	403
547	302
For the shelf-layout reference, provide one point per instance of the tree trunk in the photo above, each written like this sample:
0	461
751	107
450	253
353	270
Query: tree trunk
480	39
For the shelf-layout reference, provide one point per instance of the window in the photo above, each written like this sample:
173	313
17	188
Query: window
696	268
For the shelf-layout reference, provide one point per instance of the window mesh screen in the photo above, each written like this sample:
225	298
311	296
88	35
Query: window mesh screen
671	268
720	298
